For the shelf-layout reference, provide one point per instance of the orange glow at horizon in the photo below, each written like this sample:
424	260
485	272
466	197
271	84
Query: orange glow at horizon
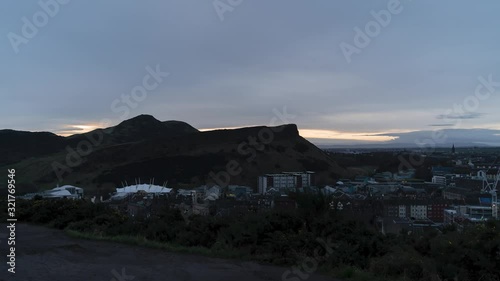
77	129
338	135
330	134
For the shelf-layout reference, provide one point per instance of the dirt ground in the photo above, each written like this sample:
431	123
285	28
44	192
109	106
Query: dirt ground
44	254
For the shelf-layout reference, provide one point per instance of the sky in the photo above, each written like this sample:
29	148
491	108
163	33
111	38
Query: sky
347	70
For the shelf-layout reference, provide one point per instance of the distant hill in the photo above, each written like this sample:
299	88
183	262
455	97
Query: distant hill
174	151
138	128
438	138
19	145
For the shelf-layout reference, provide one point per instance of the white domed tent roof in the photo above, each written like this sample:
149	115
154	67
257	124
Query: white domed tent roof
57	193
148	188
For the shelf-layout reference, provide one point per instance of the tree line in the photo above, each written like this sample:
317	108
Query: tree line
289	237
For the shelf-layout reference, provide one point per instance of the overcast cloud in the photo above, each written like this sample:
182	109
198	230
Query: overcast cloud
263	55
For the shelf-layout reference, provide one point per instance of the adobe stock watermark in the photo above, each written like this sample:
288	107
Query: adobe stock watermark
138	94
75	156
223	6
121	277
310	265
363	37
454	116
31	27
250	147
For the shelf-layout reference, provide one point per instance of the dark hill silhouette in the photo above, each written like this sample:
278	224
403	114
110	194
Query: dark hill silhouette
174	151
138	128
18	145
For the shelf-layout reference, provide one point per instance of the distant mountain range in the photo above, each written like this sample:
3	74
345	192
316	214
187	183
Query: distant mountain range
437	138
172	151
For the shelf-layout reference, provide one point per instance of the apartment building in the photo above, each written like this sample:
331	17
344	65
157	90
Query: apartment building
285	181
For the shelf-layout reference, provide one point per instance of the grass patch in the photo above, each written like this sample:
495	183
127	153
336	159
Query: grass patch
344	273
143	242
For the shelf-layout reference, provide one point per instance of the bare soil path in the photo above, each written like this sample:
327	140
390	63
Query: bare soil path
44	254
